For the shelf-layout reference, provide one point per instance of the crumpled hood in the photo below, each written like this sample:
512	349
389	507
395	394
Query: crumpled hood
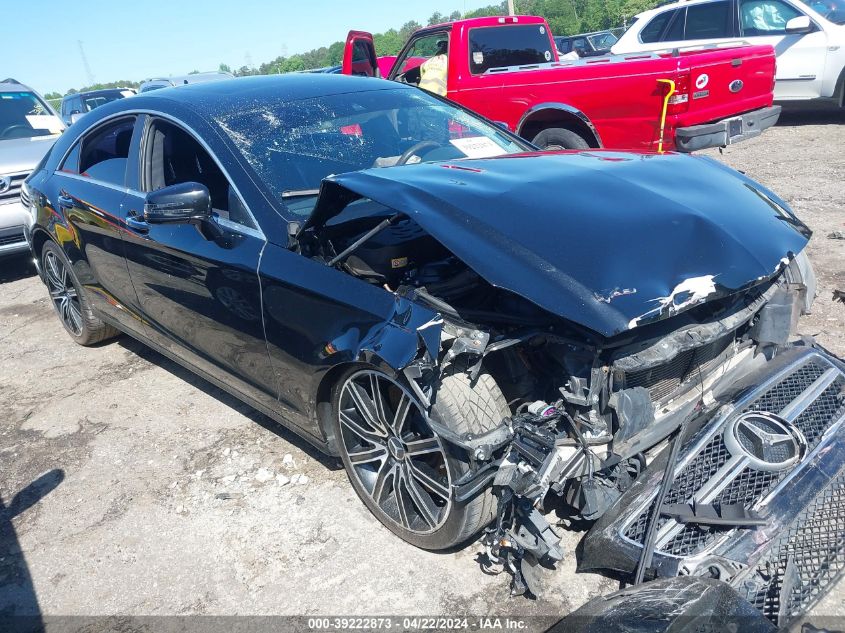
23	154
607	240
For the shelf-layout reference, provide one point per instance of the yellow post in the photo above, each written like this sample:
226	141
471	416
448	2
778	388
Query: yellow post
665	108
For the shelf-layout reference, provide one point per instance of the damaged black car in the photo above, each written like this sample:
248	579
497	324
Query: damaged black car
482	332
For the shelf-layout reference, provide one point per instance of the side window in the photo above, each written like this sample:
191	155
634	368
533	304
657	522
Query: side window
765	17
651	32
711	20
105	152
564	46
421	50
675	32
70	165
173	156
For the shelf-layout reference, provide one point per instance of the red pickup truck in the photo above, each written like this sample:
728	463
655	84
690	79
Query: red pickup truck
507	69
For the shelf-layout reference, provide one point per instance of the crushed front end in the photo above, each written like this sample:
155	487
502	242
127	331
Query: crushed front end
777	451
612	372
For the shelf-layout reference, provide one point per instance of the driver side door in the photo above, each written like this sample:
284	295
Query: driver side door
197	285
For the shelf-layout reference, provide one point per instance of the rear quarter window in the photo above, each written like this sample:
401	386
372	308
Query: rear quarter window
105	152
651	32
510	45
711	20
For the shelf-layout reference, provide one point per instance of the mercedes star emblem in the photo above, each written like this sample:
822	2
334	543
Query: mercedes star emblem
766	441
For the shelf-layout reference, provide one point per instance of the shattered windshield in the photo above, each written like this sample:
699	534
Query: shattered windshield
24	115
294	145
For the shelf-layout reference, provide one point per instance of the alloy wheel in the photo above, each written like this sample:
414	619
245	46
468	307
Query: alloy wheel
392	452
63	293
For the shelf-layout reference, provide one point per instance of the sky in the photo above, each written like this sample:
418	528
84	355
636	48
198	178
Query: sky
135	40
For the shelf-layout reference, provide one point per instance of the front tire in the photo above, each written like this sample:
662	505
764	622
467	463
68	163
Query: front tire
69	301
399	468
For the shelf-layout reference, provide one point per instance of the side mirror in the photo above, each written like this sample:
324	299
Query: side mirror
178	204
801	24
75	116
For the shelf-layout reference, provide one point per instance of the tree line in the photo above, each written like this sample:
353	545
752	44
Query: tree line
565	17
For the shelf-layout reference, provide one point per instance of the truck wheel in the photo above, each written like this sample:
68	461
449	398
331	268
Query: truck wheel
560	138
399	468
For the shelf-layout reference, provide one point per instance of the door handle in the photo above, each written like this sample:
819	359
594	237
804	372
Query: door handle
137	223
65	202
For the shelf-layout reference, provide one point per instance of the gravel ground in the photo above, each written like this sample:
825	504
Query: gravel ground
157	494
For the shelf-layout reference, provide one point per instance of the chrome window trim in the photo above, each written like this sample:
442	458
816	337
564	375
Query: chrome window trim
101	183
234	226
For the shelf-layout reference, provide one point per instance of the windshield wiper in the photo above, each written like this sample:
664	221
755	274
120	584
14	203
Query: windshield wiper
300	193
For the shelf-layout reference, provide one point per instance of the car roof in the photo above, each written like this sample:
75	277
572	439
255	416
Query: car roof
93	92
488	20
671	5
13	85
96	92
220	98
569	37
290	87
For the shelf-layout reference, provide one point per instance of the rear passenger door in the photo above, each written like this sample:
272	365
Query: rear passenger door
197	285
693	25
90	186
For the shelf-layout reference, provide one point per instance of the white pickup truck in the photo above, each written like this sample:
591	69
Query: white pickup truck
808	37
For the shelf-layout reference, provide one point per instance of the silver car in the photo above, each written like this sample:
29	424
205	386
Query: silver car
28	129
182	80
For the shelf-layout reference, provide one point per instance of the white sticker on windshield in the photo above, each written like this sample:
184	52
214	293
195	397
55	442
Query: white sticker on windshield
548	55
542	30
478	58
477	147
45	122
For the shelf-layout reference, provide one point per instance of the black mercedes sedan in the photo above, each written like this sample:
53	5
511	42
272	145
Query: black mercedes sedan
480	331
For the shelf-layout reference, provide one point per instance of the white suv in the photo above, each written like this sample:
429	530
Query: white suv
808	37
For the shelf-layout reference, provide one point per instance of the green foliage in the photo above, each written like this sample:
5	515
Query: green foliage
565	17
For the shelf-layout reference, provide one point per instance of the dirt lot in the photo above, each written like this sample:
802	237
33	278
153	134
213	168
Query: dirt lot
164	495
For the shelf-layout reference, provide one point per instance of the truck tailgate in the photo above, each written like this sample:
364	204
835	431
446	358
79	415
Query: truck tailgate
724	82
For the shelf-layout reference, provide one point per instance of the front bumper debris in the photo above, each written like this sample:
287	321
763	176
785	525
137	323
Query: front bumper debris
727	131
667	605
783	566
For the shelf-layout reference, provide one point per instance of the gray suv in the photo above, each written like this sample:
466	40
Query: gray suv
28	129
75	105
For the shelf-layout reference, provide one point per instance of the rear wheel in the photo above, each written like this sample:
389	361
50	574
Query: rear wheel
560	138
68	300
400	469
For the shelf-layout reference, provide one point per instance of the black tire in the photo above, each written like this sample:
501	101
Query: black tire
69	301
460	405
560	138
